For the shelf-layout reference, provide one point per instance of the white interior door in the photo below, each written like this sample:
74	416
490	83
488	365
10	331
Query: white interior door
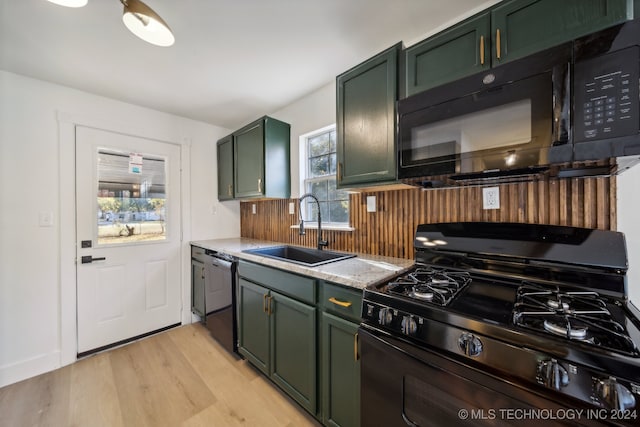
128	231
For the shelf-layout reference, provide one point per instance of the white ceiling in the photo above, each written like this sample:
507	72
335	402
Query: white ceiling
233	61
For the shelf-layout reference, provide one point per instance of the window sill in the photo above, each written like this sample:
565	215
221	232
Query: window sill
314	226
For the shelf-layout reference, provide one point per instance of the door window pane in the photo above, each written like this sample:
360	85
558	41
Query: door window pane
131	198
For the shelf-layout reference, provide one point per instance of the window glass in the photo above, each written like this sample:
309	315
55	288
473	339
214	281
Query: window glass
321	180
131	198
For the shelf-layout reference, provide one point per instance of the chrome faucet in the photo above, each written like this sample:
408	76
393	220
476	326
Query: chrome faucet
321	242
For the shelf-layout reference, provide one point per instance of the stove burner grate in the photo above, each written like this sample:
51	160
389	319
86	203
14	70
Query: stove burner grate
430	285
574	315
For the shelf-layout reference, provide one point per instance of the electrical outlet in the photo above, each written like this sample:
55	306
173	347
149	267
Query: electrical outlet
292	208
253	209
371	203
45	219
491	198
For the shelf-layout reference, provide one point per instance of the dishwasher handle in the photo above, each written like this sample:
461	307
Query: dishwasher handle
219	262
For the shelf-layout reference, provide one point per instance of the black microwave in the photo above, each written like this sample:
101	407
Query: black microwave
575	102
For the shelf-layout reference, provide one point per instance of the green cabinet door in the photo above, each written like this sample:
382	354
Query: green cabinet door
249	160
366	97
261	159
224	149
293	349
457	52
277	163
522	27
197	288
253	324
341	372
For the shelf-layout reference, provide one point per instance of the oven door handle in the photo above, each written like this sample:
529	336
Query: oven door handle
408	421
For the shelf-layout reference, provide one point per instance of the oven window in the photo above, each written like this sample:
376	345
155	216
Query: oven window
449	400
502	126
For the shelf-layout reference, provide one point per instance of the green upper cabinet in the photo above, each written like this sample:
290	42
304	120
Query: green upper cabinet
509	30
366	97
224	149
522	27
261	159
457	52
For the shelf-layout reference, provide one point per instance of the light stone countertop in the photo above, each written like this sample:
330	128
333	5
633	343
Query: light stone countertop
359	272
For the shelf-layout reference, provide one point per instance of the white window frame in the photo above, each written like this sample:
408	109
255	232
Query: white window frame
304	162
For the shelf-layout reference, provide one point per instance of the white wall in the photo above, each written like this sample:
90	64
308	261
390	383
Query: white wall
314	111
36	271
628	223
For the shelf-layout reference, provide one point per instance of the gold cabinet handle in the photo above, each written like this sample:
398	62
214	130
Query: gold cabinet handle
229	190
481	50
340	171
259	185
264	303
498	43
340	303
356	354
270	306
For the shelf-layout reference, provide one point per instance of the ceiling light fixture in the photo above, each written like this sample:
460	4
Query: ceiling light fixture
139	18
70	3
142	21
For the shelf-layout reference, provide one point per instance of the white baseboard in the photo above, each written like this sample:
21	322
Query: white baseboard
24	369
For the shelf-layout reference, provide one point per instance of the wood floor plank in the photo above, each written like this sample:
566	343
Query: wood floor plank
38	401
94	396
156	384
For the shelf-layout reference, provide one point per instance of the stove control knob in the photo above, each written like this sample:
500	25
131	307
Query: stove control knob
470	344
552	374
385	316
409	325
614	395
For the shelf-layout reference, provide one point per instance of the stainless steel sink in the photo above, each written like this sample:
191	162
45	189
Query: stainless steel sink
303	256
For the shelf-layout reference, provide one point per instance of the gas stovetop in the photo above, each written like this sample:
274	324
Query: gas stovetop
541	303
562	314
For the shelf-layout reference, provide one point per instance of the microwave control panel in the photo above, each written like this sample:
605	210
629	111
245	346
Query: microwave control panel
606	96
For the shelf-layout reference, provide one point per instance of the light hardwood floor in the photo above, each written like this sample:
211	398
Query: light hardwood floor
180	377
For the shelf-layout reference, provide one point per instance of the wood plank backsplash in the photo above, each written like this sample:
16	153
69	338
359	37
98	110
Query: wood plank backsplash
580	202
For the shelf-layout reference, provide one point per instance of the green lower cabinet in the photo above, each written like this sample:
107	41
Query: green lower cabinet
341	372
253	324
293	349
277	334
302	334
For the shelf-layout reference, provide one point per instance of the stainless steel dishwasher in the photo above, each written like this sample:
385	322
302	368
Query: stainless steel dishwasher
213	294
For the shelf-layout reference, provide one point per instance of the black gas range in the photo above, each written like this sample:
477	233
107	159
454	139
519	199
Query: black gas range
502	324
